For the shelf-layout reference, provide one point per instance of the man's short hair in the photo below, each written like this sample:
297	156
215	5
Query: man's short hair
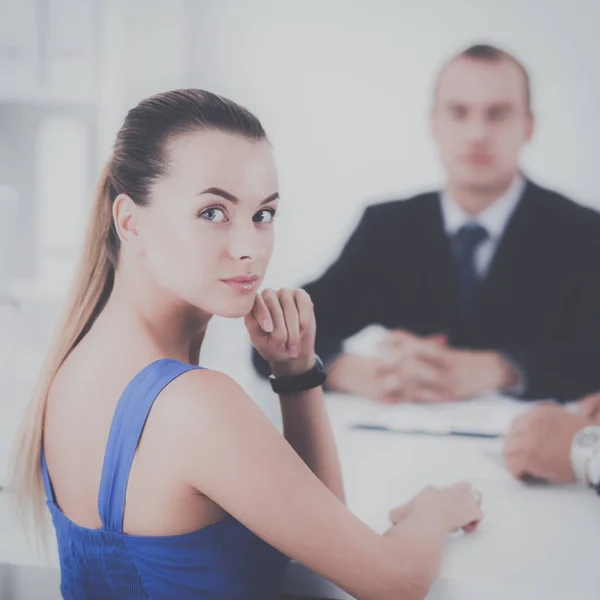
489	53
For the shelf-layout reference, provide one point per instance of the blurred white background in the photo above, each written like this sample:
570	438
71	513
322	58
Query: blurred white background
343	88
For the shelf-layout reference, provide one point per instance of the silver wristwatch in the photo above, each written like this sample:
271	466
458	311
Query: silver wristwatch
593	471
585	448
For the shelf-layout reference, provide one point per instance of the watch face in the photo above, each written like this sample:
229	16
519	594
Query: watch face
588	439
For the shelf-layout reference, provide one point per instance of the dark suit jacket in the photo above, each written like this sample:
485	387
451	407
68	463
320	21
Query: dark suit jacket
539	303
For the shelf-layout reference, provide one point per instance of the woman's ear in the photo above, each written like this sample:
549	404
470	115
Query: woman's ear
126	216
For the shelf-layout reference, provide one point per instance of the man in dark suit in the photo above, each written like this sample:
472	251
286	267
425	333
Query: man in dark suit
491	284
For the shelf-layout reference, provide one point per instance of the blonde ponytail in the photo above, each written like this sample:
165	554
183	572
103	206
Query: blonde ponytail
91	289
139	158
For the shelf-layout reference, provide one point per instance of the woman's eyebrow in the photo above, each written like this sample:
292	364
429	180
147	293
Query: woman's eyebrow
215	191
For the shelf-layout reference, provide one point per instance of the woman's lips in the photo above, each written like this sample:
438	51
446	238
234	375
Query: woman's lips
243	283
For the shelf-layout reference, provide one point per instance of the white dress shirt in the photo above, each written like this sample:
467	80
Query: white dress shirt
494	219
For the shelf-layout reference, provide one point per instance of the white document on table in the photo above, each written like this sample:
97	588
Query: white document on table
490	414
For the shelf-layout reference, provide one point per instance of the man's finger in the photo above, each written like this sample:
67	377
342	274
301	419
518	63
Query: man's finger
438	338
391	383
515	465
515	443
430	396
523	423
434	354
436	382
398	338
432	376
590	406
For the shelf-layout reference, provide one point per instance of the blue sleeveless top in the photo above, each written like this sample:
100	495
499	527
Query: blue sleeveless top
224	560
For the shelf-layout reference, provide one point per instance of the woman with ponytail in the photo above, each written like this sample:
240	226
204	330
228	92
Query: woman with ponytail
163	479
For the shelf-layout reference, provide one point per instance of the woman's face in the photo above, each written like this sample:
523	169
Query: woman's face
208	230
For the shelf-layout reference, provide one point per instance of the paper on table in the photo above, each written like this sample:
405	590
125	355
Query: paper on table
490	414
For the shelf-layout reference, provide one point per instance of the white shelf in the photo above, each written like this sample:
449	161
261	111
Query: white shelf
50	52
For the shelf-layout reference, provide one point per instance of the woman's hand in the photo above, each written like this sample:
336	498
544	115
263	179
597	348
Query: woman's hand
458	506
282	329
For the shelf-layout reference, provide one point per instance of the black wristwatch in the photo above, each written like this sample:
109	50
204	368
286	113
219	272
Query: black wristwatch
294	384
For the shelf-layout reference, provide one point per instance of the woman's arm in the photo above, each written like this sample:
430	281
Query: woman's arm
307	429
230	452
282	328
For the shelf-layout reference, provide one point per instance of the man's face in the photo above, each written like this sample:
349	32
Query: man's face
481	121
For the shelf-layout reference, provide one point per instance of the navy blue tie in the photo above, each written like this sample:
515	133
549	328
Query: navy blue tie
464	245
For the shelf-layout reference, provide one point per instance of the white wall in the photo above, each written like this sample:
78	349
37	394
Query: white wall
343	88
146	49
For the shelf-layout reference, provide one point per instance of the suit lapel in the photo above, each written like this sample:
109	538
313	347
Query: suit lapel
443	288
501	293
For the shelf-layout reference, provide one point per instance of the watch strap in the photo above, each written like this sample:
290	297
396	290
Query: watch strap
294	384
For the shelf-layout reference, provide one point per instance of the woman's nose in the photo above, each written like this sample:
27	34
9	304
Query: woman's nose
245	243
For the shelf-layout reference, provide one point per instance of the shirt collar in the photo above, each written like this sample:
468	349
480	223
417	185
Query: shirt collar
494	218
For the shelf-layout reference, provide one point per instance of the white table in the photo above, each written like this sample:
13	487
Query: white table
536	542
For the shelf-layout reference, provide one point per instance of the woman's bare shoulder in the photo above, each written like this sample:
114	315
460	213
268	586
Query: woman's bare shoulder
200	393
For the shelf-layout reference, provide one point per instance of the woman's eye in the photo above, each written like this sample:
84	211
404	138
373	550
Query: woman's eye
216	215
264	216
